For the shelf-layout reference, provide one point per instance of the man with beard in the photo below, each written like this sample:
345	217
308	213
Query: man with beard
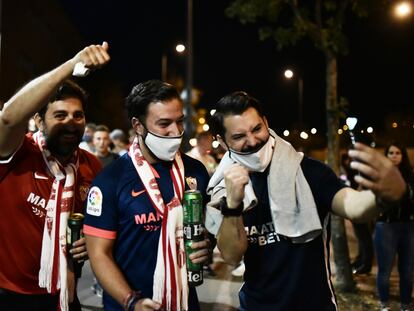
43	178
271	205
134	216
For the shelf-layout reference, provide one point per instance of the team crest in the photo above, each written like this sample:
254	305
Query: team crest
94	205
83	192
191	182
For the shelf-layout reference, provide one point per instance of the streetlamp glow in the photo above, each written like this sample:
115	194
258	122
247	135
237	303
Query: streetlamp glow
313	131
402	9
286	132
180	48
288	74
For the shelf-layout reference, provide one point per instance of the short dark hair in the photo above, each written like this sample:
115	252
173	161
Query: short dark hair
102	128
68	89
145	93
232	104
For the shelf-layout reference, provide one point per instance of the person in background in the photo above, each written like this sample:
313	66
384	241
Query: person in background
201	151
43	178
101	142
394	235
87	138
134	216
119	141
271	206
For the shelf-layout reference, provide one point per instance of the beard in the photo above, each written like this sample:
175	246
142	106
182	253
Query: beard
61	147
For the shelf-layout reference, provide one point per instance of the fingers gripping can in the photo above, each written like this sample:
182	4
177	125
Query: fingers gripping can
73	233
193	232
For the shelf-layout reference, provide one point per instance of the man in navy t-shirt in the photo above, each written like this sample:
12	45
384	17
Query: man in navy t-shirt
271	205
133	225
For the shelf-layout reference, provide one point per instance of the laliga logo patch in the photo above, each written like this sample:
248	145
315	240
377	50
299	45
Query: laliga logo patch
95	198
191	182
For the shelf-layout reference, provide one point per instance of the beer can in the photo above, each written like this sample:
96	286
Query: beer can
74	232
193	232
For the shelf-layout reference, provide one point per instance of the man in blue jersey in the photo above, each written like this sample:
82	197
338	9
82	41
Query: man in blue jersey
134	225
271	205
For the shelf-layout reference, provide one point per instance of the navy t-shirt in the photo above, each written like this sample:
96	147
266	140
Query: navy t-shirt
281	275
119	208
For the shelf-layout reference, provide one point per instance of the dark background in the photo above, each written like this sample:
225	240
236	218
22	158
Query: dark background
375	77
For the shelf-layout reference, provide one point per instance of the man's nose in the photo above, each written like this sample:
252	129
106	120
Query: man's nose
175	130
252	140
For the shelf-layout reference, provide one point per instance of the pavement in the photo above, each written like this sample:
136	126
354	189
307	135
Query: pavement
220	292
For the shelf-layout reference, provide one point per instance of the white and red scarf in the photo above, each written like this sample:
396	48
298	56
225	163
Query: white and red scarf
170	287
53	263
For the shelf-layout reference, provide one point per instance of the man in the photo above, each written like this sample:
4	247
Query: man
202	151
120	141
101	142
134	226
87	138
43	178
274	206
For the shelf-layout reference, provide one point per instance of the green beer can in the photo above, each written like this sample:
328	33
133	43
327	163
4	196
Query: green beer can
193	232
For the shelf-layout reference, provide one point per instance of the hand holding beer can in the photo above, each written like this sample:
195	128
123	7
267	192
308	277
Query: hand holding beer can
74	232
193	232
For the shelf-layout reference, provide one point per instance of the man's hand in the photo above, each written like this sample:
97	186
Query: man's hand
146	304
204	252
78	250
93	56
235	178
384	180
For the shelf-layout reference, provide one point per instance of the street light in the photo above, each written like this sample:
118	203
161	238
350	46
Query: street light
179	48
402	9
289	74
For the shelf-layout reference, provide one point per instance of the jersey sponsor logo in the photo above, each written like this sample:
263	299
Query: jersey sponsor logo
40	176
136	193
144	218
261	234
94	203
36	200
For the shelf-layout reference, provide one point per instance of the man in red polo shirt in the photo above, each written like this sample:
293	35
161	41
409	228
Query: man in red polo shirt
43	178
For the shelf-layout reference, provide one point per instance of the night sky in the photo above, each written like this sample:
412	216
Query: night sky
375	77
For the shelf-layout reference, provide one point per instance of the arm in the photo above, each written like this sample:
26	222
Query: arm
383	181
33	96
231	238
109	275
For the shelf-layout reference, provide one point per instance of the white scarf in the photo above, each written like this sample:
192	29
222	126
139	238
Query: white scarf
53	263
170	287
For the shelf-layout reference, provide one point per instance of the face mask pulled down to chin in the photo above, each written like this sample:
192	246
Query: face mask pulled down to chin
258	160
163	147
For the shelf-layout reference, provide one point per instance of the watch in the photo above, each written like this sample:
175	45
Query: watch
226	211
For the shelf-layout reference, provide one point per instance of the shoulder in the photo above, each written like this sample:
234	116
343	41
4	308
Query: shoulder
193	164
114	171
315	167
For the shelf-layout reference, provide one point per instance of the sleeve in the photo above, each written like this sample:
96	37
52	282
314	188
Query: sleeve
323	182
7	164
101	219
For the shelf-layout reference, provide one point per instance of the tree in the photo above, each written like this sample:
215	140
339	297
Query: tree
287	22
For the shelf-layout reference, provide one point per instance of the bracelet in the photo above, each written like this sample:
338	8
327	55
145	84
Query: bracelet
226	211
131	299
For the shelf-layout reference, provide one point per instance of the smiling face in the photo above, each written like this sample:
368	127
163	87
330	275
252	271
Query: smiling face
246	132
63	126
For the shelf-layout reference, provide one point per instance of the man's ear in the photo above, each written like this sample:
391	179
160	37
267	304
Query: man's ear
39	122
265	122
137	126
222	142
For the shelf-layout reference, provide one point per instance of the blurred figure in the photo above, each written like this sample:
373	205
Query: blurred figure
394	234
202	151
101	142
120	142
363	262
87	138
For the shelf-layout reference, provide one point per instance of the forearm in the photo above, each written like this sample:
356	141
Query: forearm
33	96
232	239
110	276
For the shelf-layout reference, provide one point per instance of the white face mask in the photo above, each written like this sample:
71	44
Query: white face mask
163	147
256	161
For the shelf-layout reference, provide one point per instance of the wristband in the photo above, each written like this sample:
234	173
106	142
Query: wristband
131	299
226	211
